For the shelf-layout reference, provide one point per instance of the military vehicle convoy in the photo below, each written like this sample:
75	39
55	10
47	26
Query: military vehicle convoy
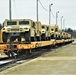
30	31
25	35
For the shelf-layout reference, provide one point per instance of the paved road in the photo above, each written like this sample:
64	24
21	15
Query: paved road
60	61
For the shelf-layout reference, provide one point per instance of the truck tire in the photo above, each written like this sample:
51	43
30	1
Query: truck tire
35	37
19	39
4	37
38	38
27	37
12	39
52	36
43	37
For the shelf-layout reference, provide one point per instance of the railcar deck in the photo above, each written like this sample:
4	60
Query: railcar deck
32	45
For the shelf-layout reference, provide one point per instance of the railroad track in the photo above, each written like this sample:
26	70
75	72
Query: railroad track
7	63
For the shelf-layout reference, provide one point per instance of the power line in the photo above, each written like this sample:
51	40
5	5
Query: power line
42	5
46	9
53	14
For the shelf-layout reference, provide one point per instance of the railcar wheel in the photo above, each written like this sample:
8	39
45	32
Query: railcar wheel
4	37
10	54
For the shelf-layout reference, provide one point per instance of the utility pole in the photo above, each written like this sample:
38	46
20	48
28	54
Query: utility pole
50	13
64	24
10	9
37	10
61	21
57	16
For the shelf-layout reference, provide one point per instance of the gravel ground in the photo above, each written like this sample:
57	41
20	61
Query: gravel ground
60	61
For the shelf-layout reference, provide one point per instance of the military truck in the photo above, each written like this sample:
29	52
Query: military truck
43	32
54	31
69	36
19	28
64	35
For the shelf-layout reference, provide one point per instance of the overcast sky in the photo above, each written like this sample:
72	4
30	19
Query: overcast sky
27	9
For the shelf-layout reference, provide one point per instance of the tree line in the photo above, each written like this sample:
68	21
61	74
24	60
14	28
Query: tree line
71	31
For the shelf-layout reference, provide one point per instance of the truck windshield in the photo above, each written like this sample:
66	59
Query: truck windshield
23	22
12	23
